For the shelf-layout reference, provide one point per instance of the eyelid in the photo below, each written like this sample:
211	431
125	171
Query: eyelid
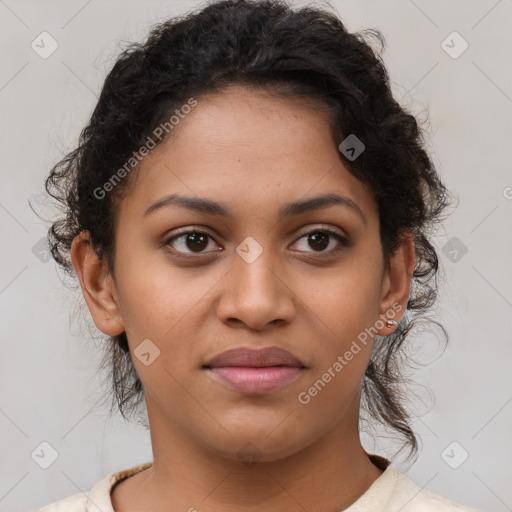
178	232
321	227
343	238
344	241
189	229
303	231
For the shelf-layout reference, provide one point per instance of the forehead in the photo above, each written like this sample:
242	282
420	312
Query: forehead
250	148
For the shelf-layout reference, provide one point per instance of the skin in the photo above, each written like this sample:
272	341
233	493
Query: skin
254	152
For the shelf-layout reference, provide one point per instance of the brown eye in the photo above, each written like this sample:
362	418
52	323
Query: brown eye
318	240
321	239
191	241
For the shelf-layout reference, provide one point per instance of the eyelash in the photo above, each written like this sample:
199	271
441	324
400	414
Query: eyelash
344	241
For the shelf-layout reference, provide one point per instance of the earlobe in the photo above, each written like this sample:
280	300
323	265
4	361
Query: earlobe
97	285
397	281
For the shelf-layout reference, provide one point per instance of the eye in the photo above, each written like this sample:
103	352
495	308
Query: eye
193	240
321	238
189	241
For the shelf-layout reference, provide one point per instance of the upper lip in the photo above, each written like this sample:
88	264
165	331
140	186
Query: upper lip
262	357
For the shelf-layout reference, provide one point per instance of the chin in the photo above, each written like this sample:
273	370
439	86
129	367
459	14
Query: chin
258	445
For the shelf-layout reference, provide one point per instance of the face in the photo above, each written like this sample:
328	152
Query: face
251	272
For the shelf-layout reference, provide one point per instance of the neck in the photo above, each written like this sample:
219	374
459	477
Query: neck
330	473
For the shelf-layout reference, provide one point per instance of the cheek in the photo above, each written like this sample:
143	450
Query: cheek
155	295
344	300
342	315
343	307
166	305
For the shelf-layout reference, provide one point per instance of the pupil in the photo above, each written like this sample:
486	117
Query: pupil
323	239
198	241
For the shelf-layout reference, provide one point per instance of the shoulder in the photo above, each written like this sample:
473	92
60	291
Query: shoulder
73	503
409	497
98	499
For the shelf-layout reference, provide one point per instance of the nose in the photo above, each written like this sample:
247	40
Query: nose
255	295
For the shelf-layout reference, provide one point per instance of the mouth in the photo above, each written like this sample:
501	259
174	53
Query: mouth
255	371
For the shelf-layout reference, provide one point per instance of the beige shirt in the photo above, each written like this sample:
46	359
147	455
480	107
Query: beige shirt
391	492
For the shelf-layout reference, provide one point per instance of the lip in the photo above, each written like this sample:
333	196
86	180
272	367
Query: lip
255	358
255	371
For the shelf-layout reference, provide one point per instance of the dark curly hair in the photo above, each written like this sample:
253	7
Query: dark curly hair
268	45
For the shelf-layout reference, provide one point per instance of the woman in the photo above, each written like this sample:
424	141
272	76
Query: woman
246	213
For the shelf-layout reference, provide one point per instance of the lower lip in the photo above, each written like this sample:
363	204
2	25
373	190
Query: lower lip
256	380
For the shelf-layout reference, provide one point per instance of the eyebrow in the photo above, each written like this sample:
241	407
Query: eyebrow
211	207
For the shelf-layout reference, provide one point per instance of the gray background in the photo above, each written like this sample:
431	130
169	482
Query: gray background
49	379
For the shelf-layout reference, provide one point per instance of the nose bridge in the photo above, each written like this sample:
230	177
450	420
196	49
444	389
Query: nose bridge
255	293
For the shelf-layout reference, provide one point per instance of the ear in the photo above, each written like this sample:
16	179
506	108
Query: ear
396	283
97	286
